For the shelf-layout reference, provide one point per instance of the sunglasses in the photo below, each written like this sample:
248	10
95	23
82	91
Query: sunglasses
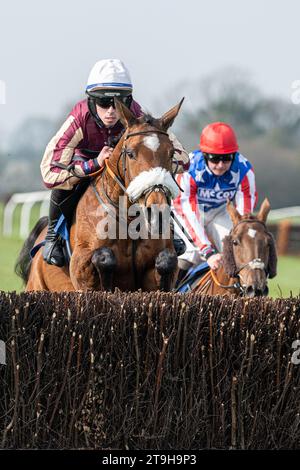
220	158
108	101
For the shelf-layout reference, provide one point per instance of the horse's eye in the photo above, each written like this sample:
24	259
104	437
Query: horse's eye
130	153
235	242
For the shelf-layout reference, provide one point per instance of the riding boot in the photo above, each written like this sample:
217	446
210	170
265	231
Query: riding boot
53	249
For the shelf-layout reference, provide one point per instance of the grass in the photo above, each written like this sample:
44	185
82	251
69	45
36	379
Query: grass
287	281
9	250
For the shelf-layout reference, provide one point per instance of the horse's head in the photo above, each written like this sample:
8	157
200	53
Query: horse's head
249	251
145	157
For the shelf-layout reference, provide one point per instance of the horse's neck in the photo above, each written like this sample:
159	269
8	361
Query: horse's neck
223	279
115	157
106	181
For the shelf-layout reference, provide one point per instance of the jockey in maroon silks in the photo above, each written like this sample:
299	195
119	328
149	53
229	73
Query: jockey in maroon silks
92	128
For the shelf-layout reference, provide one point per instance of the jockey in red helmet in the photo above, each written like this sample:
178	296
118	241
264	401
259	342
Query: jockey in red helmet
218	138
218	172
92	128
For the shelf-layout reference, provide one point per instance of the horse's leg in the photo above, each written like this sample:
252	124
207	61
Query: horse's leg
83	274
166	267
149	281
43	276
105	262
36	280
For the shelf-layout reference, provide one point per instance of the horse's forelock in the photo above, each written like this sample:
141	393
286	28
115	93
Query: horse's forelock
151	121
249	217
148	119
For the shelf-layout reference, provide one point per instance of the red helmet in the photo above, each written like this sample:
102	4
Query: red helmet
218	138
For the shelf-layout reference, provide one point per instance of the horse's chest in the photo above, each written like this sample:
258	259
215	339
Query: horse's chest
140	253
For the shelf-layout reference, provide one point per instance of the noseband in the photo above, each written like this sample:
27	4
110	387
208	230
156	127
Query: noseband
153	188
121	181
255	263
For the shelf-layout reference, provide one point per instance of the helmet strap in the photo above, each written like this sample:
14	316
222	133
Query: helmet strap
93	110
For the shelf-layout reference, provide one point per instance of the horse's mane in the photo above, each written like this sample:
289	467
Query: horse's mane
148	119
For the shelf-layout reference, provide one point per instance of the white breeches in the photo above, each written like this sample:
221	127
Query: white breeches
217	224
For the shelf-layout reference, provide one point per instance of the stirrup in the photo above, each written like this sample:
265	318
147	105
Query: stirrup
53	253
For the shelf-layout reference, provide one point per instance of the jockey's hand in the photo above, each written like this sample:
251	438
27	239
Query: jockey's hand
105	153
215	261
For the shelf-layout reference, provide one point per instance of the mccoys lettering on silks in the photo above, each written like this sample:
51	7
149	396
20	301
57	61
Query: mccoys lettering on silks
213	191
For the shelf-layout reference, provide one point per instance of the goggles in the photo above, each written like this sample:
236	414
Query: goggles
106	102
216	158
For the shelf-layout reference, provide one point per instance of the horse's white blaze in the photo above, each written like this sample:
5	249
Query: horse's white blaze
149	178
251	232
151	142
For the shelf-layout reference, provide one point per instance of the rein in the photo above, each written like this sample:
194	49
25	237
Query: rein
236	285
256	263
156	187
121	183
209	277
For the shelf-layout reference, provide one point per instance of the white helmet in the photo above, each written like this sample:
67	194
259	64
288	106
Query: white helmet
109	73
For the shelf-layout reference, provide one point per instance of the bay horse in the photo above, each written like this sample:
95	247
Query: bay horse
139	169
249	258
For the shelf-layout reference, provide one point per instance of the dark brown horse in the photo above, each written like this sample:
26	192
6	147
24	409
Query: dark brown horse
249	258
140	170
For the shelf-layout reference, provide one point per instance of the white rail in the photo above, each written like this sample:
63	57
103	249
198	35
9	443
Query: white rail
284	213
28	200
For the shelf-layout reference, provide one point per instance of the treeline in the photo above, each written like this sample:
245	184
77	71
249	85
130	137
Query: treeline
268	129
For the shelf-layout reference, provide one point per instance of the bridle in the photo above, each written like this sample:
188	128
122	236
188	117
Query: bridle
123	158
255	263
121	183
124	154
118	177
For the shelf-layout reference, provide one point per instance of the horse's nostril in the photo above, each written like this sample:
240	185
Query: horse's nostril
253	291
266	291
258	292
249	291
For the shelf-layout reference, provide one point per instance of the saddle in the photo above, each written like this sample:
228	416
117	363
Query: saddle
192	278
63	226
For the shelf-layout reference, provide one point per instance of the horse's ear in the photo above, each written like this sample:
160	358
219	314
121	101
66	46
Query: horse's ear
127	118
264	211
233	212
168	118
